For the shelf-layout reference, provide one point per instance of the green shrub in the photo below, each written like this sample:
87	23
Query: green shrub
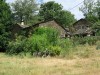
16	46
42	41
37	43
66	45
96	27
51	33
98	45
54	50
86	40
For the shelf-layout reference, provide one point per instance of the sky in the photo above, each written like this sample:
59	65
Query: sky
67	5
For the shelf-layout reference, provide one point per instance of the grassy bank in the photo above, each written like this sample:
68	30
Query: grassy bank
82	64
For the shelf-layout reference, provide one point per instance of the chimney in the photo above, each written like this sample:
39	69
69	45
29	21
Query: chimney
22	22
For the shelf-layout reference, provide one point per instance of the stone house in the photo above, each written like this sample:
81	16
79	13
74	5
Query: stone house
51	24
82	28
17	28
29	29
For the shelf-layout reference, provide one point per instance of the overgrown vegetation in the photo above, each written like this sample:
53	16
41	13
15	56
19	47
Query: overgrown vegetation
45	41
24	10
86	40
91	11
83	53
5	23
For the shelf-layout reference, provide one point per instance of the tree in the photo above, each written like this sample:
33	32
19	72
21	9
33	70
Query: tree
5	22
24	9
49	10
96	27
65	18
87	8
90	10
98	9
54	11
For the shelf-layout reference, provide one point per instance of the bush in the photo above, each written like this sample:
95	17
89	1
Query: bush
66	45
46	42
54	50
43	41
37	43
86	40
51	34
96	27
98	46
16	46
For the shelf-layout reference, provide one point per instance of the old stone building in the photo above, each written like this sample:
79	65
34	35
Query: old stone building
82	28
17	28
55	25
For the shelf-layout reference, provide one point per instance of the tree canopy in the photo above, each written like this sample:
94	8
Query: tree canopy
65	18
91	10
50	10
5	20
98	9
54	11
24	10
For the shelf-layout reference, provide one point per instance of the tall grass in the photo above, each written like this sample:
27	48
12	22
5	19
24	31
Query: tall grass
13	65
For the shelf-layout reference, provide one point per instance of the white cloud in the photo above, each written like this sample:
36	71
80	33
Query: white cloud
67	4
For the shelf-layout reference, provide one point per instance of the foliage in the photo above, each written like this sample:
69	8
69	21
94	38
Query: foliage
44	42
96	27
98	45
51	34
91	10
66	45
54	50
65	18
49	10
86	40
16	46
24	10
54	11
5	23
42	38
97	9
37	43
87	8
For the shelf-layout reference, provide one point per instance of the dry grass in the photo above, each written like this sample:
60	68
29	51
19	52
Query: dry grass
52	66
